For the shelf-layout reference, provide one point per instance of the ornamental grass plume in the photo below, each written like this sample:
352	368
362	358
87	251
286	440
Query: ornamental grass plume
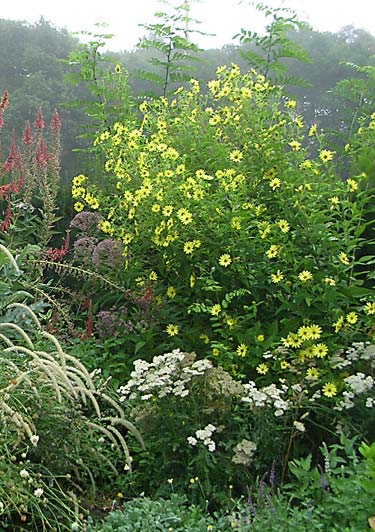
59	424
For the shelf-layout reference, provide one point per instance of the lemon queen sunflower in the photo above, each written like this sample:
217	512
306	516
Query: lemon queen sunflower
241	350
326	155
225	260
329	389
277	277
172	330
236	156
305	276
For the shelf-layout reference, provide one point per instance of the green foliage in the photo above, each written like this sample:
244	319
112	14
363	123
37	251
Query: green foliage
147	515
275	46
175	53
103	93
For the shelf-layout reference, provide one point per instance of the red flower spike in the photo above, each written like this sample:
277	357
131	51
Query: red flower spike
55	123
27	137
41	154
39	122
13	161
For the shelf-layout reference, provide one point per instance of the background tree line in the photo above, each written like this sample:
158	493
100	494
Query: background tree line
34	65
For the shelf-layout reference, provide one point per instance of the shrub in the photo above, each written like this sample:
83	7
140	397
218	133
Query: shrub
249	246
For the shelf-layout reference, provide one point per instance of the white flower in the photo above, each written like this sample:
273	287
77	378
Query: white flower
211	446
299	426
38	492
34	440
192	441
24	473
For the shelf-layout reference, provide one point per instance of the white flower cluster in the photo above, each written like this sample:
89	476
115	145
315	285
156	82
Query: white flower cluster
204	435
357	351
358	384
166	375
266	396
243	452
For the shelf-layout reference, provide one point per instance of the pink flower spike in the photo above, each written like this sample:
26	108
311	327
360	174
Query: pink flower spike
27	136
39	122
55	123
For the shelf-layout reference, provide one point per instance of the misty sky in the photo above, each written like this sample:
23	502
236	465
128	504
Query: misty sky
223	17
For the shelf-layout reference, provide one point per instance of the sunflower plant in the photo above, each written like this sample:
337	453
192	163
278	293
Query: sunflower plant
240	221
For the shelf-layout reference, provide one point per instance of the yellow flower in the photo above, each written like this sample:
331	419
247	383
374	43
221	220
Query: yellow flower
305	165
155	207
153	276
315	331
204	338
275	183
215	351
167	210
312	130
184	216
369	308
127	238
277	277
241	350
352	185
189	247
180	169
312	373
329	389
326	155
295	145
283	226
225	260
172	330
78	192
305	276
320	350
291	104
329	281
236	156
273	251
338	325
171	292
215	310
262	369
284	364
309	351
343	257
352	318
235	223
118	69
334	201
304	332
260	338
78	206
79	179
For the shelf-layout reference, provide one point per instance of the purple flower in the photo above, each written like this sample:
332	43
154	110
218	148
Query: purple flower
112	323
83	249
85	221
108	253
272	477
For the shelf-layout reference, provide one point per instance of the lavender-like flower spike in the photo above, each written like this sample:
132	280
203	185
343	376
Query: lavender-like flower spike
272	477
251	505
